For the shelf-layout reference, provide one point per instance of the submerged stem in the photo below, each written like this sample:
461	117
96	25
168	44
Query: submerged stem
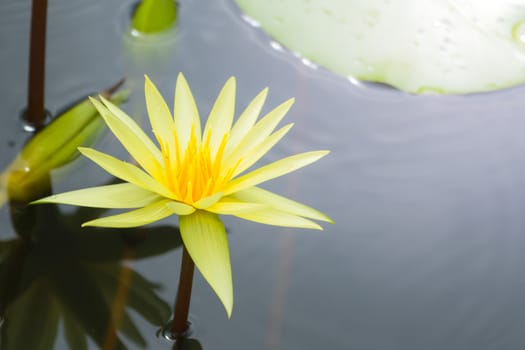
182	303
35	114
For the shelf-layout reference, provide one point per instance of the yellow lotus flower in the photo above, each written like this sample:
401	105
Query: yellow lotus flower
197	174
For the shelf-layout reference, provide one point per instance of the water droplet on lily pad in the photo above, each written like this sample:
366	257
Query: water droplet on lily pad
456	46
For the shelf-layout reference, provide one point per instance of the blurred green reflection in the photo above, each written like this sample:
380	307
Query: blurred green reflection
57	274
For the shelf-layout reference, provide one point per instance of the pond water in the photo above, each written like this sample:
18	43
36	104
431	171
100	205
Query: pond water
428	195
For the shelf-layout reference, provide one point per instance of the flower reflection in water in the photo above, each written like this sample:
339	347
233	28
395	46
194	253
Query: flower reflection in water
55	274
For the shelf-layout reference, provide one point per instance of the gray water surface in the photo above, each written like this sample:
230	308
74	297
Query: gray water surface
428	192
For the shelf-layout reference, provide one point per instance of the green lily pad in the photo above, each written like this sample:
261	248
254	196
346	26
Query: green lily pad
436	46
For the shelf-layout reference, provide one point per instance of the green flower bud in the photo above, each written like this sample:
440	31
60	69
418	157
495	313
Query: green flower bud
56	145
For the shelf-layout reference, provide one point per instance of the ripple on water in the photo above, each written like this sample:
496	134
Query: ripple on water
167	333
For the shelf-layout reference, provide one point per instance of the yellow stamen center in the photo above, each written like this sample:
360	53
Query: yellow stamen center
195	173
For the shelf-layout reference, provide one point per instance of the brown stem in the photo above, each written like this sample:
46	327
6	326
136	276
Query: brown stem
182	304
37	58
111	90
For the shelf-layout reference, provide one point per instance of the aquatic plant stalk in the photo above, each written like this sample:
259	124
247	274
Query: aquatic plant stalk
35	113
182	303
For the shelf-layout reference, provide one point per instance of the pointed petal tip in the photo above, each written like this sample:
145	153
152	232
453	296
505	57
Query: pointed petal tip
100	107
315	226
106	104
285	106
46	200
229	311
181	78
230	85
287	127
181	85
324	218
262	94
231	80
228	305
91	223
322	153
104	100
84	150
39	201
147	82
